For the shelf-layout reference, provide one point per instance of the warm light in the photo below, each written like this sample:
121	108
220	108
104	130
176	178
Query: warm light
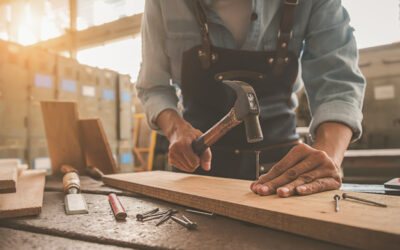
375	22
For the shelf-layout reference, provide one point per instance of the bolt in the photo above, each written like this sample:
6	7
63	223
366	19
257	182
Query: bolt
186	222
165	217
158	215
380	204
140	217
336	198
199	212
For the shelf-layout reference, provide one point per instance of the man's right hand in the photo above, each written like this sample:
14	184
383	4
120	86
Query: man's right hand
181	135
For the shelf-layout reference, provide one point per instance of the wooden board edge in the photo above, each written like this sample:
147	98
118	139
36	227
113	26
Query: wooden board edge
21	212
365	238
114	169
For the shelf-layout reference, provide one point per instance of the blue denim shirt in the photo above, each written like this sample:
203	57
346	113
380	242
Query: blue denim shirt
322	39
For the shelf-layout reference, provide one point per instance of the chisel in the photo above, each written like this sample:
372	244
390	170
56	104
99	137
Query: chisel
74	201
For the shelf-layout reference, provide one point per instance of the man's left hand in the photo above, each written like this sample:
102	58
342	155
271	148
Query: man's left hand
304	170
307	170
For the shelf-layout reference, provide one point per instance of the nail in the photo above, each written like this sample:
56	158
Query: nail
264	189
199	212
380	204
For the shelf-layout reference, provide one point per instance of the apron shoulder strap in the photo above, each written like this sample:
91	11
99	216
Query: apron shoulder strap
204	53
285	34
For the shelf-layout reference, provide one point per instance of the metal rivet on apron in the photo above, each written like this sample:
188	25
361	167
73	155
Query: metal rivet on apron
201	53
261	76
286	59
271	60
214	57
283	45
237	151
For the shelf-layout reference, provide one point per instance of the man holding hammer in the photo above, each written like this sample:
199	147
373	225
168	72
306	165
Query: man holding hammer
274	47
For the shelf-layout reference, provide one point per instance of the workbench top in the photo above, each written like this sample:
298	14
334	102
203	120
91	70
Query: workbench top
99	229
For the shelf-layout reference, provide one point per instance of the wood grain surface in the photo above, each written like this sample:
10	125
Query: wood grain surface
29	196
355	225
96	146
8	176
62	132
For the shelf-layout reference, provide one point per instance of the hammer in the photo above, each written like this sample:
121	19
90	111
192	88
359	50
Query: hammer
245	109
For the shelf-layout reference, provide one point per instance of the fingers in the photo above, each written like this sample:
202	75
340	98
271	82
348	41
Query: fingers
181	153
319	185
314	168
290	189
295	155
178	163
312	160
205	160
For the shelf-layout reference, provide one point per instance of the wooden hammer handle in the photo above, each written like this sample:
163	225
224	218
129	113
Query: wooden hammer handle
217	131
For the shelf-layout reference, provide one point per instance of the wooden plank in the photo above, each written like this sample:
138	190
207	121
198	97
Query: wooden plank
97	149
62	132
8	175
29	196
355	225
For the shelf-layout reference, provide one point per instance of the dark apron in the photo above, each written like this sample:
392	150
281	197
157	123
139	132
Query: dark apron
206	99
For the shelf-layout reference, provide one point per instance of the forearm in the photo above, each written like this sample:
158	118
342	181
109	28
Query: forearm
170	121
333	138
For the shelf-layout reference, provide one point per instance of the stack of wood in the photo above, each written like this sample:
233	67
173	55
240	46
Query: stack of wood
21	190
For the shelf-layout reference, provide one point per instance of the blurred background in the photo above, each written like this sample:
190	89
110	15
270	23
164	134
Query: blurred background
90	52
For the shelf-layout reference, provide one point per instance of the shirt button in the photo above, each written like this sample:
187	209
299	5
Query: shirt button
253	16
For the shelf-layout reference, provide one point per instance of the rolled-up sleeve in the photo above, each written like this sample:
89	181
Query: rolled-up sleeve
153	85
333	81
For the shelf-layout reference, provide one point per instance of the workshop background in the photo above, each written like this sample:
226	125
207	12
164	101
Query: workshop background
90	52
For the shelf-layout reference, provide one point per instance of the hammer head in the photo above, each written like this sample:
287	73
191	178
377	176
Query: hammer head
247	109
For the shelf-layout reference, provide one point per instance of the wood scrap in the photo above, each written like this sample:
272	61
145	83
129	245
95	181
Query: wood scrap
97	149
8	175
28	199
62	132
356	225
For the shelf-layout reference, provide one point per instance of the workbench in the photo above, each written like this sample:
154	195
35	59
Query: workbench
53	229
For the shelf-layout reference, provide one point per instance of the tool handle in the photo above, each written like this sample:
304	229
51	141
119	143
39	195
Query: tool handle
198	146
65	168
217	131
71	180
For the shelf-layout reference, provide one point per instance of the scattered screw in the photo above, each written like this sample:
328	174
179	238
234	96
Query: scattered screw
346	196
165	217
199	212
140	217
158	215
185	222
336	198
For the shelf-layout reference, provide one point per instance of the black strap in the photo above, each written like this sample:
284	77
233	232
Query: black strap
285	34
205	52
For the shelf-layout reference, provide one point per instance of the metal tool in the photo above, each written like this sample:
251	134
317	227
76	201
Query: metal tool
380	204
116	205
245	109
158	215
257	164
185	222
141	216
165	217
336	198
199	212
74	201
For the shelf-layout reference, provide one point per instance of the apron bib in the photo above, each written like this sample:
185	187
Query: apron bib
206	99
